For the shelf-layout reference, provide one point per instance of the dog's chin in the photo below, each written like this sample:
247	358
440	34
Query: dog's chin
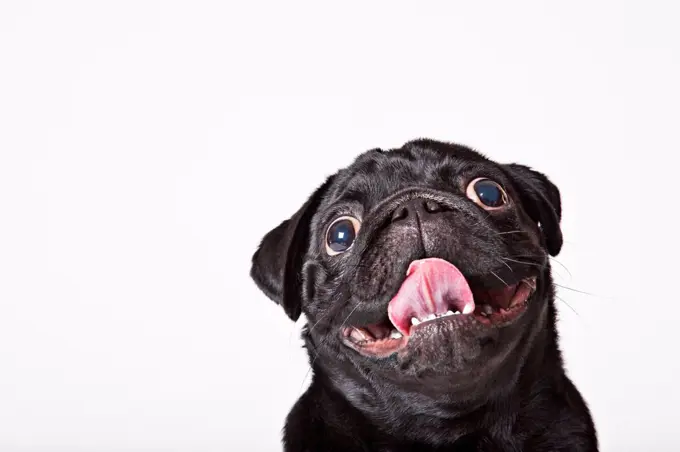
439	317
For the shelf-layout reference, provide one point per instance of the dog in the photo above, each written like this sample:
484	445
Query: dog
424	276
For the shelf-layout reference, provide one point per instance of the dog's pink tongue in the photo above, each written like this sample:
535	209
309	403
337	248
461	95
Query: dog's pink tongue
432	286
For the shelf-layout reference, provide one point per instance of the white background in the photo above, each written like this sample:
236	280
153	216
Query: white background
145	148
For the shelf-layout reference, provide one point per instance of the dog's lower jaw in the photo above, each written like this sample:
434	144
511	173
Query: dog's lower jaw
427	408
361	411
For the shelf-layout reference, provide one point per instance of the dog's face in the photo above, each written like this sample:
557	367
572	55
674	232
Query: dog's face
426	266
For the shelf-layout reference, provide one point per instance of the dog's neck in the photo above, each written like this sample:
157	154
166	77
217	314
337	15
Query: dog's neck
416	413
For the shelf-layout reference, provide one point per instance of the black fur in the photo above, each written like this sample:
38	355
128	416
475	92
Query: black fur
467	389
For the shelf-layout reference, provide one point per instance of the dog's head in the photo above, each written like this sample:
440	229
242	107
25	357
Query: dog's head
424	265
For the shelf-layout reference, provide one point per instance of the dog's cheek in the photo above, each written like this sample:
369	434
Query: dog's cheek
313	276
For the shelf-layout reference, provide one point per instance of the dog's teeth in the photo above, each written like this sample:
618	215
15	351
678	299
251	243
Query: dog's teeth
456	313
358	335
431	317
468	308
395	334
487	309
449	312
414	321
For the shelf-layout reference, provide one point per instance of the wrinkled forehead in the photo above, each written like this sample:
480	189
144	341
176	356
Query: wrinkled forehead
376	175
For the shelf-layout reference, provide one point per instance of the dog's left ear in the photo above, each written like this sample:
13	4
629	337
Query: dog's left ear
277	263
541	200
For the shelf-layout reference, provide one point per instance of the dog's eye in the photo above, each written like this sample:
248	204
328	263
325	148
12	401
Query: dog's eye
341	235
487	193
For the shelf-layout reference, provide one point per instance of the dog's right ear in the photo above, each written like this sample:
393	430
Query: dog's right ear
277	263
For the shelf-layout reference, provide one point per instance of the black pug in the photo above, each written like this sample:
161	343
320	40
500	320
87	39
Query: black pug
424	276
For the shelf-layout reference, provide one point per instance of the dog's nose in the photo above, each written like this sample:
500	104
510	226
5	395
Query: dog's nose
419	207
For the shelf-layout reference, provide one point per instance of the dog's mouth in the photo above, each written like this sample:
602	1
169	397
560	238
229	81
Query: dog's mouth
433	292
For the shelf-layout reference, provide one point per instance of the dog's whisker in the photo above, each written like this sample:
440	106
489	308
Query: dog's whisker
506	264
533	255
342	325
319	320
304	379
500	279
483	222
578	291
521	262
561	265
317	351
568	305
348	315
317	346
511	232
